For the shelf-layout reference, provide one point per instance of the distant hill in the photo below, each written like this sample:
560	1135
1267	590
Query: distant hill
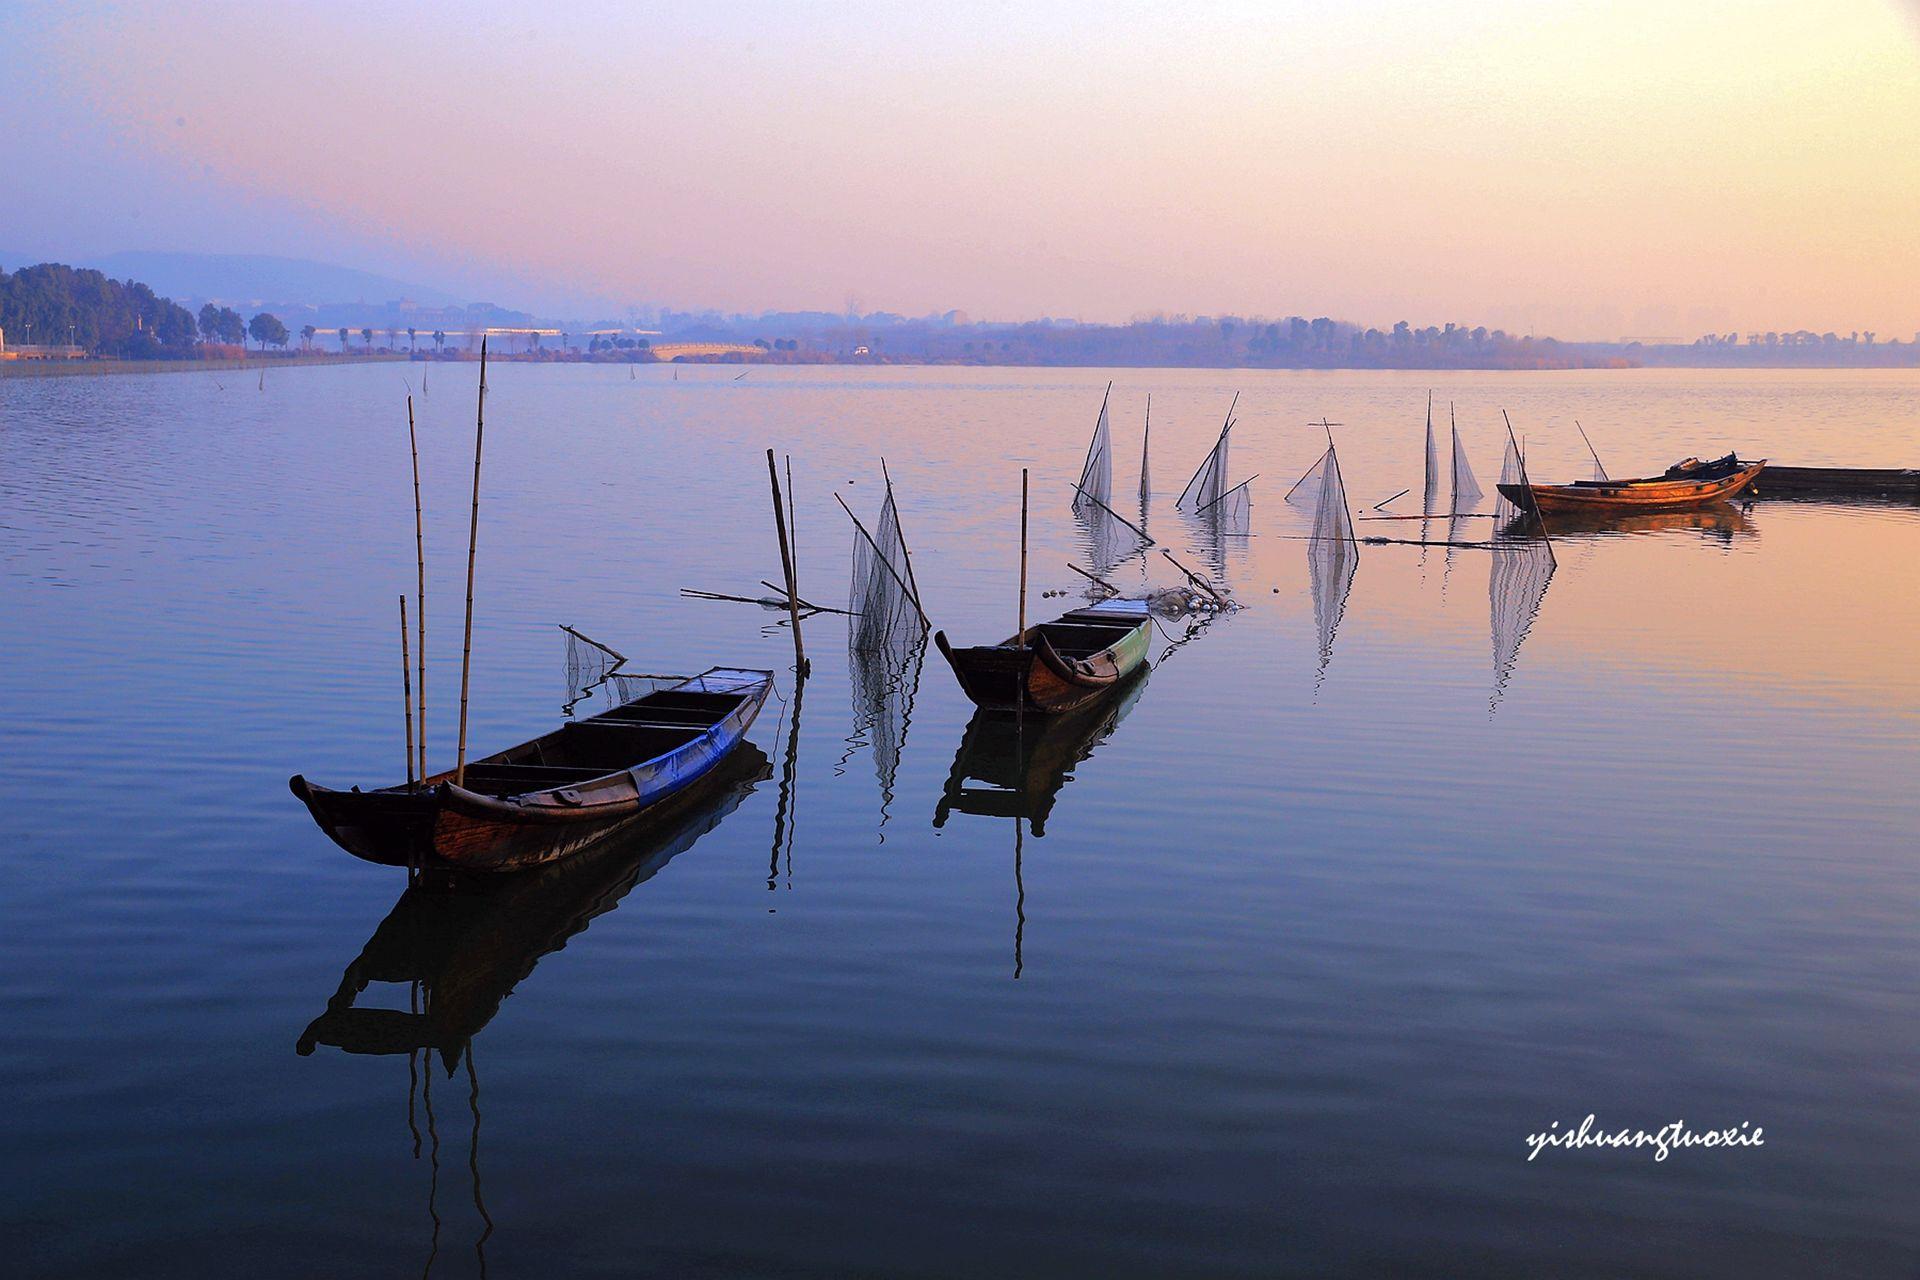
250	279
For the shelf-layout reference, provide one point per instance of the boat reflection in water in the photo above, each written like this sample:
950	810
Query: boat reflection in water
1023	761
1722	522
462	943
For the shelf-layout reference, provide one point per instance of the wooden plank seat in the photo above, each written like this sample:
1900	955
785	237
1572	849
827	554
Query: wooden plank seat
516	779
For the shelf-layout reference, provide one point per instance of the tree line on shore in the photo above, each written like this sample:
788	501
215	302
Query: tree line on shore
55	304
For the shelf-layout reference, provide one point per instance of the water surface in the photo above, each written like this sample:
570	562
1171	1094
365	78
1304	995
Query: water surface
1277	979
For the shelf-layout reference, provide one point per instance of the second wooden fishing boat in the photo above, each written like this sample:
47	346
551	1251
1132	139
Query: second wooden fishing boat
1056	666
552	796
1690	484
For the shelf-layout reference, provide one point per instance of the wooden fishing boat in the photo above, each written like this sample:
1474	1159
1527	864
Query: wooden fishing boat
1690	484
1056	666
552	796
470	940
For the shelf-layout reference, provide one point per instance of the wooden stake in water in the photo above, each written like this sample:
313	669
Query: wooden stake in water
786	564
473	539
420	589
1021	636
406	687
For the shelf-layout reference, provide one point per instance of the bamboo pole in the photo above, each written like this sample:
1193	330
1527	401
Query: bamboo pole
420	590
406	687
1598	465
1237	488
786	563
1094	578
913	586
1193	577
1020	637
1526	483
473	539
1116	515
793	520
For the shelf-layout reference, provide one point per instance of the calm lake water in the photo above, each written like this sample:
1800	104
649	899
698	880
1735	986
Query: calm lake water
1279	979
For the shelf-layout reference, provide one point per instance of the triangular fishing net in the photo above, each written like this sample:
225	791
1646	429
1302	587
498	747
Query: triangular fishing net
1430	482
1209	483
1306	490
880	595
1228	516
1466	490
1096	477
1333	553
886	639
1146	439
588	665
1516	587
1331	517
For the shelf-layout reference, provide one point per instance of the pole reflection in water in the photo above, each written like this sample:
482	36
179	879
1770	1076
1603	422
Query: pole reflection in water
783	811
1019	898
462	944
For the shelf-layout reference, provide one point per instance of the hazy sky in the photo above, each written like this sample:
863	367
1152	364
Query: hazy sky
1590	170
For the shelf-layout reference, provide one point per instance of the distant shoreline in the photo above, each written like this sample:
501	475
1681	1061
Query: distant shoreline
110	367
83	368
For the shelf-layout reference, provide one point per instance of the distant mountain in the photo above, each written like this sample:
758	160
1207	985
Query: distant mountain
254	279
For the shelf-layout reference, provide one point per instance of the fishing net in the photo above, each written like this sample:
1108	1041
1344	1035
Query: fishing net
1513	473
588	664
1146	439
1331	563
886	640
884	684
1333	554
1516	588
1430	484
880	594
1106	540
1466	490
1232	511
1332	520
626	686
1096	477
1209	483
1223	523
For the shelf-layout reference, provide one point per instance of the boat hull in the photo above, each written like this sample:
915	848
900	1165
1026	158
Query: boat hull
1041	674
442	826
1631	495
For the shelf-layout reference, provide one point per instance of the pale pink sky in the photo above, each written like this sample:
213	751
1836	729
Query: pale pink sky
1590	170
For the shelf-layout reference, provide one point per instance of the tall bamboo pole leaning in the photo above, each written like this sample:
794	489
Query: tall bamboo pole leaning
406	687
473	539
1021	636
420	590
786	564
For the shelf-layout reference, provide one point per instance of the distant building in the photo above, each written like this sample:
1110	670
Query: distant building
40	350
863	350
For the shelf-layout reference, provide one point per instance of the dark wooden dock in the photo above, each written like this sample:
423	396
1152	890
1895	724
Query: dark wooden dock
1837	482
